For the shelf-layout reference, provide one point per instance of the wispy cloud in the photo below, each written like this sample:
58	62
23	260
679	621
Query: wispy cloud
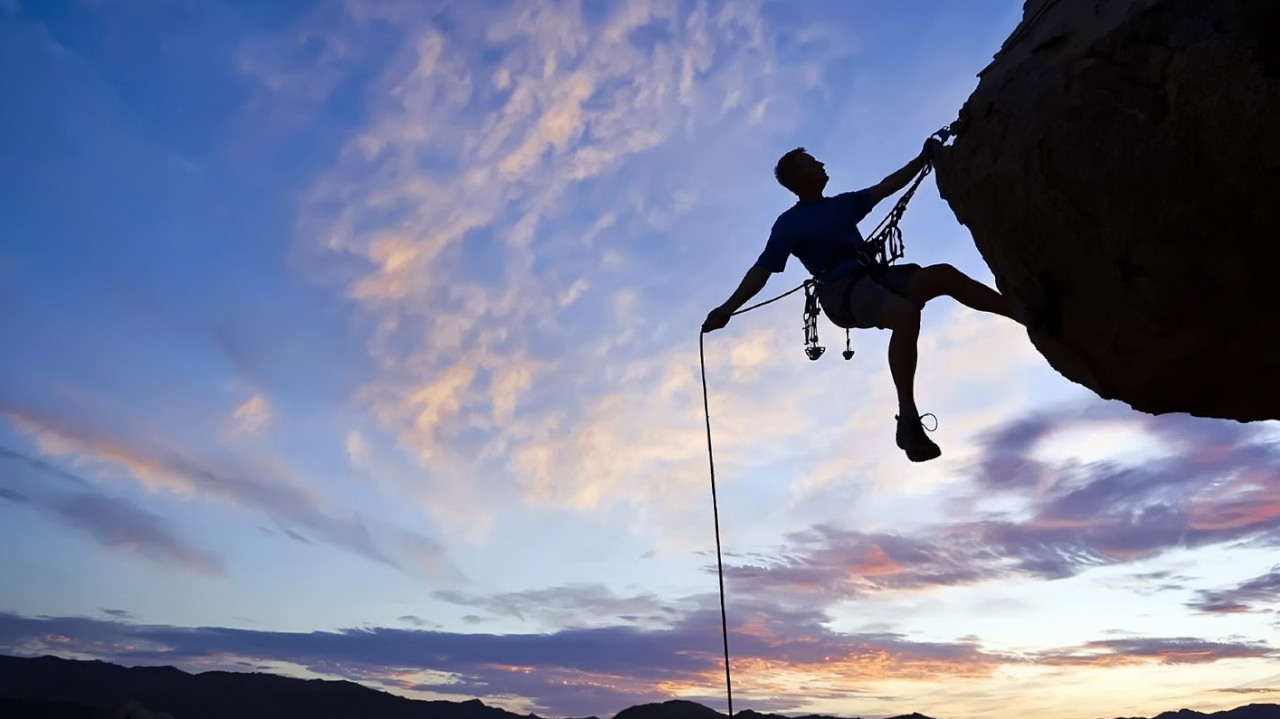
13	495
825	565
1174	650
1217	484
43	466
1249	596
172	470
112	522
118	524
481	220
1214	482
571	607
254	415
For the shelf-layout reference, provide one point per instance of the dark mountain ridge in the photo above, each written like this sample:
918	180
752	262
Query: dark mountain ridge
54	688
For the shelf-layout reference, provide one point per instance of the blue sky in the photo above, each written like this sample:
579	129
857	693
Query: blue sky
358	340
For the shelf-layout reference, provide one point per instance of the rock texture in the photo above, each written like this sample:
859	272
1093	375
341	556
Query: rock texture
1128	151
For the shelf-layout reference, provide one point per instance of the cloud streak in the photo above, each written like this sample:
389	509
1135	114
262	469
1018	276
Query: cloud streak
1180	650
174	471
254	415
1218	484
575	672
1249	596
572	607
118	524
112	522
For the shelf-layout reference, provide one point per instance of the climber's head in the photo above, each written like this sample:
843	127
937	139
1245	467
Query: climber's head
799	172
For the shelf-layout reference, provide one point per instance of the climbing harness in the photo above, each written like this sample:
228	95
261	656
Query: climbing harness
882	249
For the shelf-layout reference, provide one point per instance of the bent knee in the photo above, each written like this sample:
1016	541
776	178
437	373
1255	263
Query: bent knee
933	281
898	313
940	274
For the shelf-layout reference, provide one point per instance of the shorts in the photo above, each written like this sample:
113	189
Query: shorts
860	306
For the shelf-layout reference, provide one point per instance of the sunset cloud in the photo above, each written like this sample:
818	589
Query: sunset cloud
1074	517
568	663
521	108
171	470
112	522
1112	652
116	524
254	415
1249	596
580	672
577	606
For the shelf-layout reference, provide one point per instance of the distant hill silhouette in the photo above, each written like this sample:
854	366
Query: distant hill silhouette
54	688
212	695
680	709
24	709
1249	711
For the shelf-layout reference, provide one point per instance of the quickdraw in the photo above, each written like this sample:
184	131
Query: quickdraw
811	311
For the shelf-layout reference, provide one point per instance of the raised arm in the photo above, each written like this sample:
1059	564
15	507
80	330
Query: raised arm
901	177
751	284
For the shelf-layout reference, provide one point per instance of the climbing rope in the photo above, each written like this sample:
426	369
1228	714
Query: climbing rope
886	238
887	246
715	511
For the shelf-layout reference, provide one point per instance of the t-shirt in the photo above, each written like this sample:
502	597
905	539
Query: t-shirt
816	232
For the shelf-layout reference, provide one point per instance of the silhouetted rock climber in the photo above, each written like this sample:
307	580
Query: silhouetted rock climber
822	232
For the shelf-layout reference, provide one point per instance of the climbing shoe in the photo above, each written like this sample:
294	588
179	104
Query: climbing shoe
912	440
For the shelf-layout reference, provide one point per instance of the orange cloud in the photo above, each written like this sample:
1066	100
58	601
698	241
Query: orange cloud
254	415
56	439
1114	653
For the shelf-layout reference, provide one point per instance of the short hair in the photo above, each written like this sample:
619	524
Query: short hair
782	170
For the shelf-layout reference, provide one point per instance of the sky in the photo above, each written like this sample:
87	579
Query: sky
359	340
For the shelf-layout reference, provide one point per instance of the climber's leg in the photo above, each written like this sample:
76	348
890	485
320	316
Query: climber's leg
938	280
903	317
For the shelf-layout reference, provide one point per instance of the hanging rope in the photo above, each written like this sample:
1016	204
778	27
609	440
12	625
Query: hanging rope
715	511
715	505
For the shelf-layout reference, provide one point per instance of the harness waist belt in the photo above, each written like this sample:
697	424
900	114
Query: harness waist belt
851	280
861	252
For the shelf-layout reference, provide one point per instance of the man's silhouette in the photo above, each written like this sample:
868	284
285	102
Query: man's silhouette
822	232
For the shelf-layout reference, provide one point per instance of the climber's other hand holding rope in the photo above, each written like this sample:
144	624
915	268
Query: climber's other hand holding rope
717	318
752	283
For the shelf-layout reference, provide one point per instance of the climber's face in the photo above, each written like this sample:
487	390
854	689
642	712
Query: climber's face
810	174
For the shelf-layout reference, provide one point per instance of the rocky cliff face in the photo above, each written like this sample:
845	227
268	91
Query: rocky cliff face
1128	151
